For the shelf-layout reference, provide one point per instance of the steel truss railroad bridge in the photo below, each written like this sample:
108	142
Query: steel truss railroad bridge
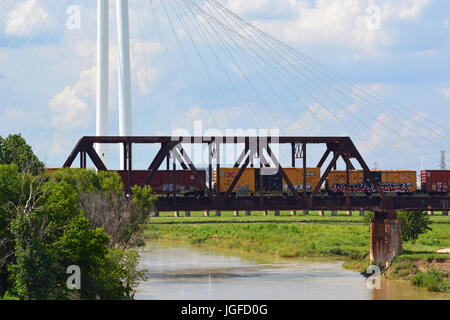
336	147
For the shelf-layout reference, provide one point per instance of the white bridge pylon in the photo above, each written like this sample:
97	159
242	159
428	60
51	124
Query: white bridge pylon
124	74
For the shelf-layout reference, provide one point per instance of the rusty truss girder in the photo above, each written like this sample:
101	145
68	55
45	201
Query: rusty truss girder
288	203
172	148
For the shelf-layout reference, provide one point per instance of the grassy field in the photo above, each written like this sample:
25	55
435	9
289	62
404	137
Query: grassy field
343	237
257	216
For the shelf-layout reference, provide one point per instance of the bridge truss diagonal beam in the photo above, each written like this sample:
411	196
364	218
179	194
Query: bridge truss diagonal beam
340	147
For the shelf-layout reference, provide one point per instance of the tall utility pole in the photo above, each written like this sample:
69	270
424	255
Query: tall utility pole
443	164
123	32
102	76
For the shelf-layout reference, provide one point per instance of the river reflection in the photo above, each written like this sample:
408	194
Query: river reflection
179	273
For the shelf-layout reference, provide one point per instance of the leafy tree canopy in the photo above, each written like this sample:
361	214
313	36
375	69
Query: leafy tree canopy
414	223
14	149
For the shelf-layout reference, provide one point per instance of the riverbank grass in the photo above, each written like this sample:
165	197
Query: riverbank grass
343	237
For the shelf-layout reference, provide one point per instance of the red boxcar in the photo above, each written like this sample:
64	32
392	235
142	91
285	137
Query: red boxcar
435	180
163	181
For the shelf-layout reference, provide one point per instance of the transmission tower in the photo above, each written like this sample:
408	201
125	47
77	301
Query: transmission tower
442	164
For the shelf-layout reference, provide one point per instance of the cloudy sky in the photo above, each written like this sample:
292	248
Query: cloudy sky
375	70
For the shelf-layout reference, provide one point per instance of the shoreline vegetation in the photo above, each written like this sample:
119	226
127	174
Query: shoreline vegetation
54	223
342	237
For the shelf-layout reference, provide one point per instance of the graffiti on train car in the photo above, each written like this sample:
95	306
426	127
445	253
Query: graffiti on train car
369	188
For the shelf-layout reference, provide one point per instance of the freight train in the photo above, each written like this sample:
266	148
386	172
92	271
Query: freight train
251	180
391	181
395	181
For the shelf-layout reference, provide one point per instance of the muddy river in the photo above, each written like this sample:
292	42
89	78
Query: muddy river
182	272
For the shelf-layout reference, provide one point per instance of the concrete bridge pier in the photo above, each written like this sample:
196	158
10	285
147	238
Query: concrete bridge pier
277	213
156	214
445	213
321	213
265	213
293	213
236	213
206	213
248	213
218	213
362	213
187	214
385	238
334	213
176	214
305	212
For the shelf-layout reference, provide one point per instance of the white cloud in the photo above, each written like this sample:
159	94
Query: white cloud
336	22
446	92
313	122
26	18
404	136
74	106
142	51
236	69
71	106
217	118
412	10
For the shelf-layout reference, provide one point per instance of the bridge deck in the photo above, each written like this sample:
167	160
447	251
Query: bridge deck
268	202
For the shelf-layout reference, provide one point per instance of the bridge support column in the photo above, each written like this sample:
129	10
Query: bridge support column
445	213
248	213
187	214
206	213
305	212
321	213
236	213
349	212
430	213
362	213
277	213
293	213
334	213
156	214
218	213
385	238
176	214
265	213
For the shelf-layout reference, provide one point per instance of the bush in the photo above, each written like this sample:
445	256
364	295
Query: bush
432	280
414	223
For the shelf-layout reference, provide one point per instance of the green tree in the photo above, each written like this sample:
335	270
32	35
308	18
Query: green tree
414	223
10	186
60	206
14	149
124	268
44	229
87	248
35	268
83	180
111	182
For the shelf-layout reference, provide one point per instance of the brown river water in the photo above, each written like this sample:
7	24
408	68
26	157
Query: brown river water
191	273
